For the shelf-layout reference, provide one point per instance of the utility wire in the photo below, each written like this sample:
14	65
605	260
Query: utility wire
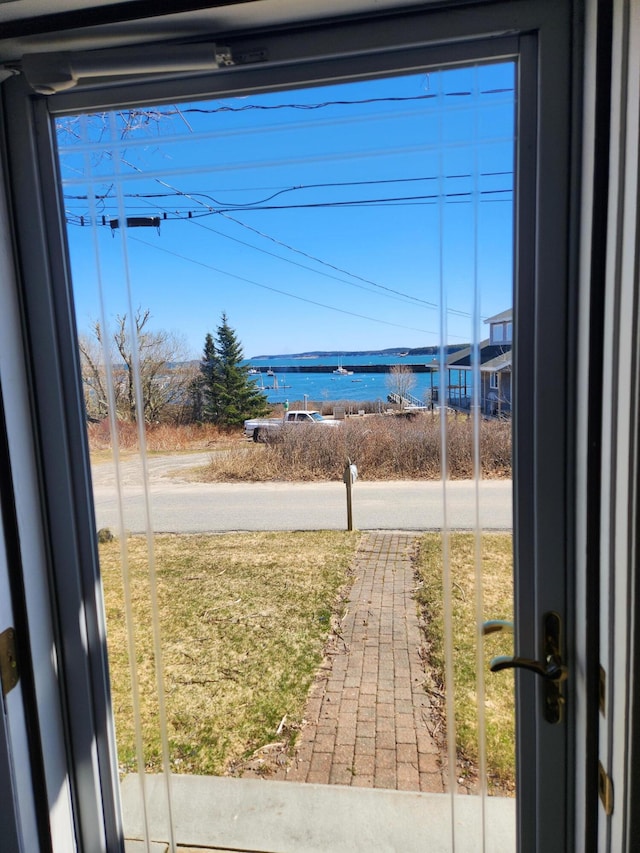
395	293
297	188
223	212
396	201
340	103
238	222
339	269
129	116
392	292
284	292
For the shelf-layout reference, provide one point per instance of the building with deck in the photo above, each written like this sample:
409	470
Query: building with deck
495	370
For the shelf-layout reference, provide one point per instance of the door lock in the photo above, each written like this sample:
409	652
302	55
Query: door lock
550	668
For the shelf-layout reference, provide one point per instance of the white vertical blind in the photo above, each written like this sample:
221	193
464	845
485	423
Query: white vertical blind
111	142
446	563
477	476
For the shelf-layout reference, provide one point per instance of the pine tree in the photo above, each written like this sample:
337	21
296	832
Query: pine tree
229	396
208	399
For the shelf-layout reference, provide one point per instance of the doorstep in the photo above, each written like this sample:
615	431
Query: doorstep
223	813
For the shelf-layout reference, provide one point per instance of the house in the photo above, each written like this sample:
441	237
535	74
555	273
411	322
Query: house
577	464
495	362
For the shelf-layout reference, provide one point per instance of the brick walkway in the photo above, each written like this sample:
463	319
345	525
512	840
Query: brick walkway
367	721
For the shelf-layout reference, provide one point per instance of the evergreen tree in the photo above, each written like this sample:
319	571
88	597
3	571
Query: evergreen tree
208	398
229	395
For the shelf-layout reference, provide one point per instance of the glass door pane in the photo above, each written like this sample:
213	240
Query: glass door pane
335	265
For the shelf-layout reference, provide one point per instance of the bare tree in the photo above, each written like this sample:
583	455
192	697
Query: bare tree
156	359
94	380
400	383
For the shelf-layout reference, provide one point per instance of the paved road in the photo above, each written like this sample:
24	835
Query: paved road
180	506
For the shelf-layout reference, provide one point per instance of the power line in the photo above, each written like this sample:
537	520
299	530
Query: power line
339	103
339	269
281	191
210	211
397	201
328	264
284	292
393	292
179	192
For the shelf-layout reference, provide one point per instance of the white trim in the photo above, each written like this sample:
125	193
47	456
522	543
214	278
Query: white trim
621	417
582	783
503	316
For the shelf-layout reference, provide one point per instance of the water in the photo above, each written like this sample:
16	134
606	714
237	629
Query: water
329	387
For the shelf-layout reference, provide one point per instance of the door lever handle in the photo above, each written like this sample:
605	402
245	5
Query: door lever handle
553	669
495	626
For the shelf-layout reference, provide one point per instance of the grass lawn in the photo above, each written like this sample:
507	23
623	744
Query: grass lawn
244	618
497	569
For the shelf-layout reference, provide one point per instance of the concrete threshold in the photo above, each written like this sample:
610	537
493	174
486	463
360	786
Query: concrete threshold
220	813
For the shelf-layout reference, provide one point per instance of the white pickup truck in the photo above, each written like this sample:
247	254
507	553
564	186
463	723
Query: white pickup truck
259	429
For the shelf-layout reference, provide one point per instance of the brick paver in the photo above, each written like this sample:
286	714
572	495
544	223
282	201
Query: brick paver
366	721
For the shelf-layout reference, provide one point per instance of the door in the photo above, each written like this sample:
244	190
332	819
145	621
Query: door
543	397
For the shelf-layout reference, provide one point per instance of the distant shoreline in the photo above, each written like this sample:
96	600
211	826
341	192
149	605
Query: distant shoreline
393	351
352	368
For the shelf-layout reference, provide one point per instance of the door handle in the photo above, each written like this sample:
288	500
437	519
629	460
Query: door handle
551	668
495	626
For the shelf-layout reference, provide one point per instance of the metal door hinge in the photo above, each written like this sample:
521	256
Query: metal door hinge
9	672
605	789
602	692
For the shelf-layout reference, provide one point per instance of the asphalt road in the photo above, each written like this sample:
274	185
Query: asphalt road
180	506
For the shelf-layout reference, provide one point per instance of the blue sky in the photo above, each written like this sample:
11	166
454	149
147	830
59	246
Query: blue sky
317	219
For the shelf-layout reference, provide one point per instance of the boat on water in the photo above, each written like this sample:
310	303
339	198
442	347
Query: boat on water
342	371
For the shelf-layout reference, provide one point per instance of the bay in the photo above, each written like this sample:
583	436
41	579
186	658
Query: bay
299	380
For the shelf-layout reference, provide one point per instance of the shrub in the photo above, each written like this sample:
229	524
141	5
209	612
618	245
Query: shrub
383	447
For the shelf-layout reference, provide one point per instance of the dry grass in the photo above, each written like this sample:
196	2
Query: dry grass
383	447
244	619
497	581
161	438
